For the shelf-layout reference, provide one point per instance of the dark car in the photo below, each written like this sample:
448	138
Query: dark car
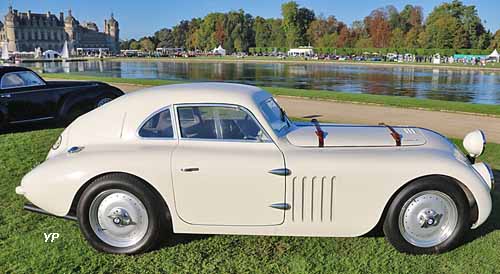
26	97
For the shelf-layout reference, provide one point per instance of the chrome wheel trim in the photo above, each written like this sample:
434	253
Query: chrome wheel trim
103	101
428	218
118	218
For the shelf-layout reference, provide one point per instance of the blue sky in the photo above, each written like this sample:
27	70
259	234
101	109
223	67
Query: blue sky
139	18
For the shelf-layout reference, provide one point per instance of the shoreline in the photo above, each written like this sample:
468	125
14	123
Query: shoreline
291	61
250	60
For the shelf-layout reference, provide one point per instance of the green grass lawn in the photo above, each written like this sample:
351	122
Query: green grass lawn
384	100
23	249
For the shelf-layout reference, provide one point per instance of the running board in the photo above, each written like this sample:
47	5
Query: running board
33	208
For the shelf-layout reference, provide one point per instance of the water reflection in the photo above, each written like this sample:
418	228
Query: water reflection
442	84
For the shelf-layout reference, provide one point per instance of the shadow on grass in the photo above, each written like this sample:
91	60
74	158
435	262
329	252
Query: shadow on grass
29	127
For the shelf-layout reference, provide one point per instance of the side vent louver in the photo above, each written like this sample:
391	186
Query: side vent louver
312	199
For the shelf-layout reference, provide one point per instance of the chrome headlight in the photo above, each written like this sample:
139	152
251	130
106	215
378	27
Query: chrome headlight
474	143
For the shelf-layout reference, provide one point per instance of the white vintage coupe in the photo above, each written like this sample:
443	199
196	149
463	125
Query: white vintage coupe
225	159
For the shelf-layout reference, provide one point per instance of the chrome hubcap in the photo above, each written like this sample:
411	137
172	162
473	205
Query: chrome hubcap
428	218
118	218
103	101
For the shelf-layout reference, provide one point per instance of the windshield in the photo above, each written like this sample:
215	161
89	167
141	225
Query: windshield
275	115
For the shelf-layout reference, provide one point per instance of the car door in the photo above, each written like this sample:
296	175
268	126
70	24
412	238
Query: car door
26	97
221	167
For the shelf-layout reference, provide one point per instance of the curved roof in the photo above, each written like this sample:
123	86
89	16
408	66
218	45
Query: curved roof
121	118
204	92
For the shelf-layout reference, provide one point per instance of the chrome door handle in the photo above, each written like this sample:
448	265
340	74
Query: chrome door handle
190	169
7	95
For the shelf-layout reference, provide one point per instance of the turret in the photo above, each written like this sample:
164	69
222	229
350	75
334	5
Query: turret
70	27
9	27
112	29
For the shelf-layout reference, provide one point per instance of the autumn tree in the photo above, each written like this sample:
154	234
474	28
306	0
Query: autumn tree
321	32
378	28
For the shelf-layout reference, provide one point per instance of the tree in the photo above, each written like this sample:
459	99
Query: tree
304	18
411	39
378	28
320	28
147	45
411	17
289	11
263	32
344	39
397	38
134	45
220	34
441	33
464	16
180	33
192	38
164	38
278	35
495	41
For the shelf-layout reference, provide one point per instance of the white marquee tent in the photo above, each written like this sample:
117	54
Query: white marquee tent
494	55
219	50
51	54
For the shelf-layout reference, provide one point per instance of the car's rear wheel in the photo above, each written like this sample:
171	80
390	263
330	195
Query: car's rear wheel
118	213
104	100
428	216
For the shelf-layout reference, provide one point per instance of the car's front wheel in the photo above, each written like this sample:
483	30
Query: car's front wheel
428	216
117	213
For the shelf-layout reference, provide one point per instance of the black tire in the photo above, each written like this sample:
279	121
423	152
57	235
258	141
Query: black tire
391	223
154	206
106	97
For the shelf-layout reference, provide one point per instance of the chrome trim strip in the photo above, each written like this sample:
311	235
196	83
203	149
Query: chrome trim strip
281	206
281	172
32	120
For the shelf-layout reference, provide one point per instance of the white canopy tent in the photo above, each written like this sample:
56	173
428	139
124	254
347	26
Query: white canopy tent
219	50
494	55
51	54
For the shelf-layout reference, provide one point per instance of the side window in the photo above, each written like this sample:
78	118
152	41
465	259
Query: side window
158	126
215	122
20	79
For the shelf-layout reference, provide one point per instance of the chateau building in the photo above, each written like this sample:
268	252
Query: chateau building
25	31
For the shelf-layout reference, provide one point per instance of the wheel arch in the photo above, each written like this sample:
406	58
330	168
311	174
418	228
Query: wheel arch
448	179
82	188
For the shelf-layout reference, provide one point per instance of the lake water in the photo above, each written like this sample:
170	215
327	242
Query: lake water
439	83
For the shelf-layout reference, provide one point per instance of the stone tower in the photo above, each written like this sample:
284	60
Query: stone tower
71	29
113	31
9	27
